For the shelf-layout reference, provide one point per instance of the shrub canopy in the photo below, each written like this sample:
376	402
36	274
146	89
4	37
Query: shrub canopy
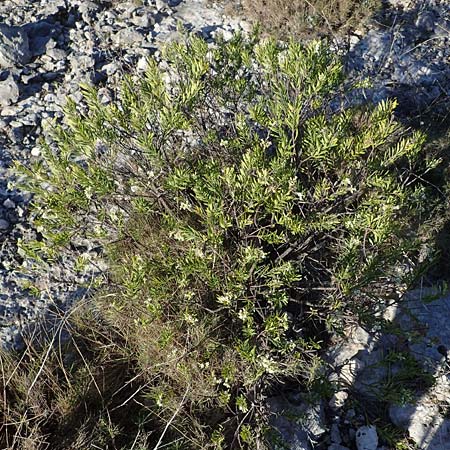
245	210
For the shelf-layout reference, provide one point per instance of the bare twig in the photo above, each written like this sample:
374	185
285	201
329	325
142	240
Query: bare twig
171	420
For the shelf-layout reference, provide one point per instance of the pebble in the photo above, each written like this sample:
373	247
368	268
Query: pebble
142	64
35	151
338	400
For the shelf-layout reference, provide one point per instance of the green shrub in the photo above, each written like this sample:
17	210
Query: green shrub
245	213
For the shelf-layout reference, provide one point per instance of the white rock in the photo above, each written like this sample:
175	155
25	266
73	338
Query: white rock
142	64
56	54
9	111
353	40
104	96
35	151
338	400
367	438
111	68
160	4
144	21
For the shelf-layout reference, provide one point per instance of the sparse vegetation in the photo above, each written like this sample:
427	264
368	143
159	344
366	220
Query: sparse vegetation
395	438
303	18
245	214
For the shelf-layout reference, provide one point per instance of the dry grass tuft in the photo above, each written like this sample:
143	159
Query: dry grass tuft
69	389
304	18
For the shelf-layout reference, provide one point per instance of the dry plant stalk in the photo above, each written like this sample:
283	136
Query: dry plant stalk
304	18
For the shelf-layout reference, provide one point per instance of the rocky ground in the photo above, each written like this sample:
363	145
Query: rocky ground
401	376
48	47
405	54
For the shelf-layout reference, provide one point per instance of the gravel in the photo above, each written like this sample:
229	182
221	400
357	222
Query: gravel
46	50
406	54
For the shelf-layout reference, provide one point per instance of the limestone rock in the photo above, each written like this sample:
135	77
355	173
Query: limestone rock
367	438
298	422
424	423
9	91
14	46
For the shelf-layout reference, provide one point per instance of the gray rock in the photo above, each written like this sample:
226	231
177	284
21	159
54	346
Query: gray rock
105	96
128	8
41	28
88	10
426	21
430	314
127	37
345	351
335	434
402	415
56	54
54	7
298	425
290	436
15	131
80	62
9	91
160	5
424	423
367	438
9	204
4	224
111	68
39	45
337	447
145	20
42	35
409	59
14	46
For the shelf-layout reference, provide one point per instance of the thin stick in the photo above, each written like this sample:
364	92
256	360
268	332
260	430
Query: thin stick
171	420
